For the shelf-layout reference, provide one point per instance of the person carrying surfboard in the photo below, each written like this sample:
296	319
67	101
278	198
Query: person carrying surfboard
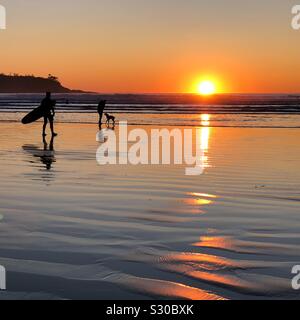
48	113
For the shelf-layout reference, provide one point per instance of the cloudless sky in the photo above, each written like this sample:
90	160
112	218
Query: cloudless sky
154	45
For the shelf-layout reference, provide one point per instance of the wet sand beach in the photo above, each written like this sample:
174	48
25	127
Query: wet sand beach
72	229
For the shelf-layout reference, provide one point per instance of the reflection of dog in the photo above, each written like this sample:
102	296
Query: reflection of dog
110	118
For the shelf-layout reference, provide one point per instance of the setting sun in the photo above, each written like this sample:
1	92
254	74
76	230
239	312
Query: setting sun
206	88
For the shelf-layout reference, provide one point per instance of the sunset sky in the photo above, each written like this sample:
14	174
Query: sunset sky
154	45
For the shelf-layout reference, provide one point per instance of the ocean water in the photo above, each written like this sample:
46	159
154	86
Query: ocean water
225	111
72	229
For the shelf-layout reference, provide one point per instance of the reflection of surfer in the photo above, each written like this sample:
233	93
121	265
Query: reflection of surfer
45	155
48	157
48	113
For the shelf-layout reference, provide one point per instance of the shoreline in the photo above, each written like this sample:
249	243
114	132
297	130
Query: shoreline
174	120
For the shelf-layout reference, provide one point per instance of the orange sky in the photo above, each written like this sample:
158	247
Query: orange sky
154	46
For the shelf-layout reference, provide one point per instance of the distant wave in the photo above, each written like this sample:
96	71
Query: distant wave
163	103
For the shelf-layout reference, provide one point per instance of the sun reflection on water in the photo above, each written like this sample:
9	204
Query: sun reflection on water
205	120
205	133
195	198
205	195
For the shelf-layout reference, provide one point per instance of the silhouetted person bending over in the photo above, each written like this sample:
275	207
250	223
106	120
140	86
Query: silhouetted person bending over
101	107
49	112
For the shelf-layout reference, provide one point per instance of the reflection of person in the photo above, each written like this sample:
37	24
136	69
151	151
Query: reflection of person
100	109
48	157
45	155
49	113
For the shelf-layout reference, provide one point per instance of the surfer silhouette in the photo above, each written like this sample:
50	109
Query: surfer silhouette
48	113
100	109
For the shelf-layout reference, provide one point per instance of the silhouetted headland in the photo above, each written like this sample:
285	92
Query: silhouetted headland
32	84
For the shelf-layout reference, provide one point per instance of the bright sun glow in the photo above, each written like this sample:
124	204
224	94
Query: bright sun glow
206	88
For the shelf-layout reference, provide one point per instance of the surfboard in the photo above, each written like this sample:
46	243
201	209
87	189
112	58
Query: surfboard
34	115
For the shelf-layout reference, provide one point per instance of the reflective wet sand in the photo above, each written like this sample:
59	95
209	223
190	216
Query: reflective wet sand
72	229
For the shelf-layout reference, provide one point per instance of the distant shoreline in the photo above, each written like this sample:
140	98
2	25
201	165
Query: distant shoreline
31	84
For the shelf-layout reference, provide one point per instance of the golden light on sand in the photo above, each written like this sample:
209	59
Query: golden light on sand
206	88
204	195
